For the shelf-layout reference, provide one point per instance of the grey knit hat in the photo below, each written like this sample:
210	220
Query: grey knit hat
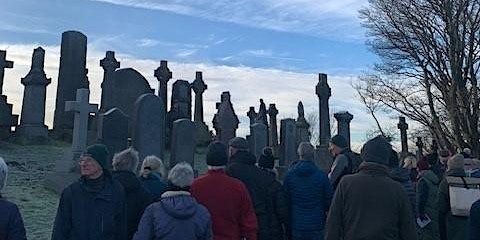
377	150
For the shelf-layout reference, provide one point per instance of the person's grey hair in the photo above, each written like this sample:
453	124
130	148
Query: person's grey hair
181	175
306	151
126	160
3	174
155	163
216	167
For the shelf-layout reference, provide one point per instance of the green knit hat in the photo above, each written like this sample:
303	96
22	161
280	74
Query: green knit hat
99	152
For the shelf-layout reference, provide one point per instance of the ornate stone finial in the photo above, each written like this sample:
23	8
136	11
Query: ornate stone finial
198	84
163	73
109	63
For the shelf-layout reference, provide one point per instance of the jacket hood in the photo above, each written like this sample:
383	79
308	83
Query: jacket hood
456	173
179	204
244	157
373	169
430	176
400	174
304	168
128	180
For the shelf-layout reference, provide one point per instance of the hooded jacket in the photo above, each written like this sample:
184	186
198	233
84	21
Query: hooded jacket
370	205
11	223
175	216
154	184
402	176
137	198
427	203
309	192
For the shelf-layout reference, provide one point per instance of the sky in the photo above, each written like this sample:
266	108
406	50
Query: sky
270	49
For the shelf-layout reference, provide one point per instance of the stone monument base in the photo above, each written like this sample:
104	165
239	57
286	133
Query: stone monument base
32	134
323	158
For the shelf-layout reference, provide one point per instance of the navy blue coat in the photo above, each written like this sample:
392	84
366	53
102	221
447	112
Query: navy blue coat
84	214
154	184
474	222
11	223
310	194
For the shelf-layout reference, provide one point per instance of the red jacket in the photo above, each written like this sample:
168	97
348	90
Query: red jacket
229	204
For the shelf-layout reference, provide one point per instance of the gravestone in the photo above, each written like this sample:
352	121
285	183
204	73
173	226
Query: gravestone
109	65
403	126
32	128
344	119
7	119
112	131
181	101
303	132
262	114
183	142
324	92
419	144
251	115
163	75
203	134
72	76
288	146
273	130
225	121
66	170
259	138
149	126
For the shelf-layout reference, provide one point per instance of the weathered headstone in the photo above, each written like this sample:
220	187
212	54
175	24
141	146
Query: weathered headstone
32	128
259	138
324	92
288	146
273	130
403	126
225	121
149	126
203	134
183	142
109	65
251	115
344	119
72	76
163	75
112	131
419	144
7	119
4	63
303	132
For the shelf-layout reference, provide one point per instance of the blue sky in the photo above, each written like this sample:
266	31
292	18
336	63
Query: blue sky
276	48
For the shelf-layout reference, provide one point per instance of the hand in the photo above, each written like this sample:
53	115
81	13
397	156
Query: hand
423	217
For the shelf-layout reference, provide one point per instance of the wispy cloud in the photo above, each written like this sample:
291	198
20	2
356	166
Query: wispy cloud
147	42
270	54
183	53
326	18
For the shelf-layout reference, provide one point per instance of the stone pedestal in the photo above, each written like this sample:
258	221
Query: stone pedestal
344	119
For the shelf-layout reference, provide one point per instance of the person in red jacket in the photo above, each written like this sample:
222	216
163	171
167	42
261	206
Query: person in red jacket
226	198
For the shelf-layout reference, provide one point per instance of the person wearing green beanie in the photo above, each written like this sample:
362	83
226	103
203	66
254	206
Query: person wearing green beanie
94	206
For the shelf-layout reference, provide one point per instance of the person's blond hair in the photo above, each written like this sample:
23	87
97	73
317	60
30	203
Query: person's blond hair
155	164
410	162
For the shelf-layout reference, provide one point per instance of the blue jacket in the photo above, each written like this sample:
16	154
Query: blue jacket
88	213
402	176
176	216
154	184
474	222
310	193
11	223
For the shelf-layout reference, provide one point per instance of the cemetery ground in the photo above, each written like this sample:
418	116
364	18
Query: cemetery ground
28	166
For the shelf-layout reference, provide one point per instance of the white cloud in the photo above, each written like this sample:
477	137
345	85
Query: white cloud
147	42
183	53
326	18
246	85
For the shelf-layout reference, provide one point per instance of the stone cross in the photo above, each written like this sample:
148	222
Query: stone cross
109	65
3	64
32	127
198	87
163	75
324	92
273	135
419	144
252	115
82	109
344	119
403	126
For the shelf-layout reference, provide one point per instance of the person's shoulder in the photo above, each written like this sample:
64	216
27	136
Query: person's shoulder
7	206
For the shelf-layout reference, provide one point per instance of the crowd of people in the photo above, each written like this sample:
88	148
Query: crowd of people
377	194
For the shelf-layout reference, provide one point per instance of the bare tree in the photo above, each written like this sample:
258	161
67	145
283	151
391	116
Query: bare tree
430	60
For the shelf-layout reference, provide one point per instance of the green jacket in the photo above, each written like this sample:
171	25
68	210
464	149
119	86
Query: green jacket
451	227
427	198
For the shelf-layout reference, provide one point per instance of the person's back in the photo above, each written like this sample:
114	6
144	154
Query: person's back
427	201
474	221
369	204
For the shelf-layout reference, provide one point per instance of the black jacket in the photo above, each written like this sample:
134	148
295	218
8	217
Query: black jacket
11	223
86	213
266	193
137	199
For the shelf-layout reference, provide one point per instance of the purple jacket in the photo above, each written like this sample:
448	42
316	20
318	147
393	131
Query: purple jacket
176	216
11	223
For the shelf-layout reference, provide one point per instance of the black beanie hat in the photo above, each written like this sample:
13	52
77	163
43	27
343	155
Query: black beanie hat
377	150
266	159
339	141
217	154
99	152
